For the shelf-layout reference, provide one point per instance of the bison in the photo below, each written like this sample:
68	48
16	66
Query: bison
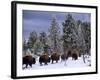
64	57
28	60
44	59
74	56
55	57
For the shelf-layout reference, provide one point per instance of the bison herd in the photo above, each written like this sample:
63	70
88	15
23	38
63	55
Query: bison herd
45	59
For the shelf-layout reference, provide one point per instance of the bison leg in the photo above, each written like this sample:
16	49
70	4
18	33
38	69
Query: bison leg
56	61
26	65
46	63
30	65
40	63
74	57
52	61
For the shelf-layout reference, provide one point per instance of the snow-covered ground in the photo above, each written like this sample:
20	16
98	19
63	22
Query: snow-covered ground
61	64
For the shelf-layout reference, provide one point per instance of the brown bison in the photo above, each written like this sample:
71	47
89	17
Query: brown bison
74	56
28	60
55	57
44	59
64	57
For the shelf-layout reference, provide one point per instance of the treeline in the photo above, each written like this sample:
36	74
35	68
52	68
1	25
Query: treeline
75	34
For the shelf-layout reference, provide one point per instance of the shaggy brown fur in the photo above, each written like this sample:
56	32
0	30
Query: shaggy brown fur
64	57
55	57
44	59
29	60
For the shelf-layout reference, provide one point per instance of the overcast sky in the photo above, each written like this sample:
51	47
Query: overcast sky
40	20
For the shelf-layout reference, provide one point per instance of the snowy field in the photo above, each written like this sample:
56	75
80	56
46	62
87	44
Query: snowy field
61	64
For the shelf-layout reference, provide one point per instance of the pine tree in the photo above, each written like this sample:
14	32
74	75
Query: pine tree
32	40
84	40
55	34
38	46
87	35
24	47
81	41
69	32
43	39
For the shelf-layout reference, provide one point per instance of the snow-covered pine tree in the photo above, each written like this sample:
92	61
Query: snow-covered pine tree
32	39
38	47
69	32
43	40
24	47
55	35
81	41
86	27
84	40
